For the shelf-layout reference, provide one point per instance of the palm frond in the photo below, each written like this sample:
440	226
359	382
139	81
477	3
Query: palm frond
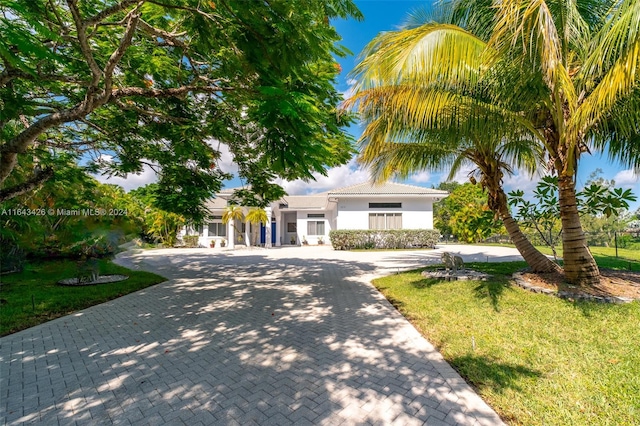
529	28
431	52
618	83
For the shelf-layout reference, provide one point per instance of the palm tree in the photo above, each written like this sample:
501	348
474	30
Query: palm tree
256	216
231	214
491	158
563	73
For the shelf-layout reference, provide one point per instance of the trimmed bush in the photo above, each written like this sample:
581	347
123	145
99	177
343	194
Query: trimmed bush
375	239
190	240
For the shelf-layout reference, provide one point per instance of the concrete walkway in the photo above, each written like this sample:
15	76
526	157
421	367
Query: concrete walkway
269	337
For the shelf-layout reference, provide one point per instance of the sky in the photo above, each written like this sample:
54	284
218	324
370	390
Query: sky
385	15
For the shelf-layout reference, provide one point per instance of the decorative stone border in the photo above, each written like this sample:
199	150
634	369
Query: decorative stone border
102	279
460	275
521	282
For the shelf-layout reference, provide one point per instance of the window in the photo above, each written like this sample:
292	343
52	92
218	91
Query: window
292	227
385	205
385	220
217	229
315	227
315	215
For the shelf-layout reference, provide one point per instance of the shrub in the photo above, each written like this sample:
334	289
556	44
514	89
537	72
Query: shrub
12	257
190	240
375	239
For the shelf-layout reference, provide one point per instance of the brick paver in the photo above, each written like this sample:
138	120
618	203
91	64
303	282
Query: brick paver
266	337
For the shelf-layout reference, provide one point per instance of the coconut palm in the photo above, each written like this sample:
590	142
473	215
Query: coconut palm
565	73
492	160
257	216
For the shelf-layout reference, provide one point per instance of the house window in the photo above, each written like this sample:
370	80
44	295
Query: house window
217	229
385	205
315	215
315	227
292	227
385	220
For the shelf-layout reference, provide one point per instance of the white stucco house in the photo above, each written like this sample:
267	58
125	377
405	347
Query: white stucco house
310	218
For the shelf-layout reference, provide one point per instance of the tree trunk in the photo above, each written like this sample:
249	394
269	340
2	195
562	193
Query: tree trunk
537	261
579	265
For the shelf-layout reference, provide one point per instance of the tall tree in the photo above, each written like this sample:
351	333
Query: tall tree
564	73
491	159
150	82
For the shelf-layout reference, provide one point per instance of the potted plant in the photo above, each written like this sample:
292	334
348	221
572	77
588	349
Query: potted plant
304	240
223	243
212	243
293	240
320	240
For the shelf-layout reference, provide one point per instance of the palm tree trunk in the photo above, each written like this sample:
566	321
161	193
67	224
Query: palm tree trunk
537	261
579	265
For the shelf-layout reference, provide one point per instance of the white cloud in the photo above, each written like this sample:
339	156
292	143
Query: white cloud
346	175
462	175
422	177
626	178
522	181
350	90
133	180
226	162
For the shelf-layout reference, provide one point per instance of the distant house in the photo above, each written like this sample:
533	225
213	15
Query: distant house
298	218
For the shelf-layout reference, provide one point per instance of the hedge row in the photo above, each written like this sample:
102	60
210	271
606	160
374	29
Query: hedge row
392	239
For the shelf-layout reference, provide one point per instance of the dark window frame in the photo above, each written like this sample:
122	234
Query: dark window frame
385	205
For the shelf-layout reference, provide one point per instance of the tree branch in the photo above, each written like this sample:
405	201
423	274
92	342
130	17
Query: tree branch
84	44
111	11
125	42
172	39
176	92
38	178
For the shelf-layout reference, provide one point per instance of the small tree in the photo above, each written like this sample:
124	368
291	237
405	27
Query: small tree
231	214
256	216
543	215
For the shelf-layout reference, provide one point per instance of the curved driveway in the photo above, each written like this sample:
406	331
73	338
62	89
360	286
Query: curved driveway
281	336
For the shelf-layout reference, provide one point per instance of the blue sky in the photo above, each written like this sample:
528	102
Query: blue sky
385	15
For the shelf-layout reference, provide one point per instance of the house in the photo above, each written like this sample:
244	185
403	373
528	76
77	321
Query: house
298	218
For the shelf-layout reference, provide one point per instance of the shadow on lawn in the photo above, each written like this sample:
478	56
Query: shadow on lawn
492	290
484	372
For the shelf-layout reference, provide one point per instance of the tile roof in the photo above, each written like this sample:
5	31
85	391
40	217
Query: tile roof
216	203
387	188
317	201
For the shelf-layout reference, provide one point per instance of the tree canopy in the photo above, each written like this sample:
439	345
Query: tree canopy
565	74
154	83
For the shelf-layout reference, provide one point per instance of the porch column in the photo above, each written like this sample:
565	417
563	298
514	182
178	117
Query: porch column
231	231
267	230
247	234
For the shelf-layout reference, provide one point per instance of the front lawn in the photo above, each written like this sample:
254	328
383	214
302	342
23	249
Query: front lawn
536	359
32	296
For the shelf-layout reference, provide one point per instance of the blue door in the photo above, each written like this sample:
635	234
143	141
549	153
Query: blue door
273	233
263	234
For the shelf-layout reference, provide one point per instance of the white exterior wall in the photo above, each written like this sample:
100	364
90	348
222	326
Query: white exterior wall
353	213
303	219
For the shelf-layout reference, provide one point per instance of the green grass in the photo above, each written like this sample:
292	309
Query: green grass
538	360
32	296
605	256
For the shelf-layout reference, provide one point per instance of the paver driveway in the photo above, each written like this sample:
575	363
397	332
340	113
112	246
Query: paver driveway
281	336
